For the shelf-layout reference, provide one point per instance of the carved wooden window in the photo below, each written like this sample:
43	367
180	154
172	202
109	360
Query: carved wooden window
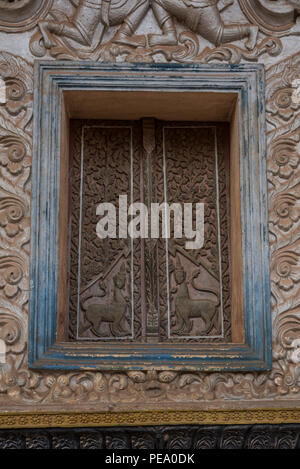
105	130
149	290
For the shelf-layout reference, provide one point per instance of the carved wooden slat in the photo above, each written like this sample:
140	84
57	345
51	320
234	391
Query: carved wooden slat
103	292
193	168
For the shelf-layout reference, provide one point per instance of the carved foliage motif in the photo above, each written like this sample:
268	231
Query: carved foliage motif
15	154
19	385
283	138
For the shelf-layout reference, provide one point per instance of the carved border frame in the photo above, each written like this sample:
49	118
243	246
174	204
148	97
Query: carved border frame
51	79
77	419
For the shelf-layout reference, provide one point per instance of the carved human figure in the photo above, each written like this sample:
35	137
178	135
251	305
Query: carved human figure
187	308
90	13
201	16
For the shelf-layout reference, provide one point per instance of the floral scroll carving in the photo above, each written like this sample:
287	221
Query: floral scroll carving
12	212
283	141
15	159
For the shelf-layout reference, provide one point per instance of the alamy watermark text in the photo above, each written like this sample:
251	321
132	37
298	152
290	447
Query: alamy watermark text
143	224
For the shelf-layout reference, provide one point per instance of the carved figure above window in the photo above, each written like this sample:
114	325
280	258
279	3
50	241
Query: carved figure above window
201	16
104	30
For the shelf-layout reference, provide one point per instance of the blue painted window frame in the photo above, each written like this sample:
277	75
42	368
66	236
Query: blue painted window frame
51	80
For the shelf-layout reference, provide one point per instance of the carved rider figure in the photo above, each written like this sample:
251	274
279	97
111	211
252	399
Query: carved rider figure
111	312
187	309
201	16
90	13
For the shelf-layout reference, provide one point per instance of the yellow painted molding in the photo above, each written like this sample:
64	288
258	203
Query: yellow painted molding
147	418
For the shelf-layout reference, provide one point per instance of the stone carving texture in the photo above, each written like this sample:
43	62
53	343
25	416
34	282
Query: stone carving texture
18	385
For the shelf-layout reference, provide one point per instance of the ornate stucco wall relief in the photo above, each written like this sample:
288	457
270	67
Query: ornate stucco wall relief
24	389
184	30
18	385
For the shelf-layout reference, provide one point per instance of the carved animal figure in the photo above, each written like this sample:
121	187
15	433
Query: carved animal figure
201	16
90	13
187	308
112	313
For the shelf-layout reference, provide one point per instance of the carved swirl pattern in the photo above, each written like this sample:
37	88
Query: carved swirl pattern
15	157
18	385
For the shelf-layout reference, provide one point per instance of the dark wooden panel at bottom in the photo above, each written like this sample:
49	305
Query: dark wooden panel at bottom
168	437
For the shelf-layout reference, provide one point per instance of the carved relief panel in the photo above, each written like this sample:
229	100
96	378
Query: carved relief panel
116	30
149	289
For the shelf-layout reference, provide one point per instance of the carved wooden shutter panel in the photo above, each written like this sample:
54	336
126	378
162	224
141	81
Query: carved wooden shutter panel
149	290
